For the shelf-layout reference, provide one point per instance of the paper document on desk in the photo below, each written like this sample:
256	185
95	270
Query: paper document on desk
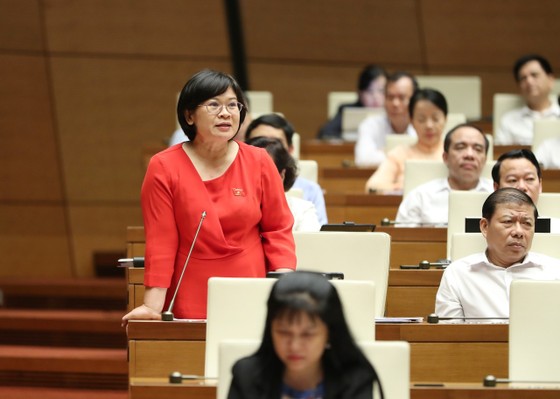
401	320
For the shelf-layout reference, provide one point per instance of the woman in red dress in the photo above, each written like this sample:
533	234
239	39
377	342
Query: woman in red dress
247	230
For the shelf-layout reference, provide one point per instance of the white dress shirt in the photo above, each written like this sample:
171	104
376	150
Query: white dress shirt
548	153
372	136
516	126
305	214
429	202
474	287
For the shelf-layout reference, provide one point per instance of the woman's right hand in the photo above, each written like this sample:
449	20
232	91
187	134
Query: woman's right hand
142	312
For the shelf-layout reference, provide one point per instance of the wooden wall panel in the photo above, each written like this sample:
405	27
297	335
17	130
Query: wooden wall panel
28	153
359	31
171	27
33	241
107	109
99	228
484	34
20	25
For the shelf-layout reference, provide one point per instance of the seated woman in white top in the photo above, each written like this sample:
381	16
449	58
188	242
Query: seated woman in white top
428	114
304	212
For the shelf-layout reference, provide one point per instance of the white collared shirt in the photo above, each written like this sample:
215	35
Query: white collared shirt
516	126
429	202
372	137
547	153
474	287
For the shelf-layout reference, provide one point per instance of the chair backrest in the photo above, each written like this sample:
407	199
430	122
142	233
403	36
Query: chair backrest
544	129
548	205
463	93
336	98
309	169
352	117
420	171
534	328
462	204
395	140
237	310
391	360
260	102
465	244
454	119
504	102
359	255
296	144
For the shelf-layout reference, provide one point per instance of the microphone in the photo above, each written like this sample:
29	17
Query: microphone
137	261
435	319
424	265
389	222
168	314
491	381
177	378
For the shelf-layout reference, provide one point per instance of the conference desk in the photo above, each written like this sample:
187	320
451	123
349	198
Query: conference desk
160	388
361	208
439	352
409	292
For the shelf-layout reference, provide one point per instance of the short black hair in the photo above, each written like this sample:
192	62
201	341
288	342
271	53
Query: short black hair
275	121
392	78
527	58
202	86
281	157
515	154
432	95
507	195
447	140
368	75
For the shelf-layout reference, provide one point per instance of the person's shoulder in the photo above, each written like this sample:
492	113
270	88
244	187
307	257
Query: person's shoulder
485	185
514	113
542	259
169	154
243	365
467	263
303	183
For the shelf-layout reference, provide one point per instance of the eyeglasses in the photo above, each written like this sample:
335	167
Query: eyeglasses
214	107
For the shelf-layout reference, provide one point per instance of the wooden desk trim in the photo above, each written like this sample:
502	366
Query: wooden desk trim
415	278
143	388
416	332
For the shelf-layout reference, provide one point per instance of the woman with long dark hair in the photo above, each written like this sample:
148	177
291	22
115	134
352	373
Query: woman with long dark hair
307	350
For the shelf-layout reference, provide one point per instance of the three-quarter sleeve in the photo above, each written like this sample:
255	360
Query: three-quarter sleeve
159	225
277	220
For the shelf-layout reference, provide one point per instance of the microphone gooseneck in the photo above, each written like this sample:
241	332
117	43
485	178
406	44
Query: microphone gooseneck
435	319
491	381
168	314
177	378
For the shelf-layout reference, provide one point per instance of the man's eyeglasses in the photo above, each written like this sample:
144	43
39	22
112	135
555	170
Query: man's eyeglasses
214	107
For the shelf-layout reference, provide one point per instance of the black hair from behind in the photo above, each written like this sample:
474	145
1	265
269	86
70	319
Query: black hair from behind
281	157
274	120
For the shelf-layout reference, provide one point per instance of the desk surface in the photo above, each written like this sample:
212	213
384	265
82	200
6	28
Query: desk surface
144	388
413	332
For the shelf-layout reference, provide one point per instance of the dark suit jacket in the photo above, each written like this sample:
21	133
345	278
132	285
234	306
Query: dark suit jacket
250	382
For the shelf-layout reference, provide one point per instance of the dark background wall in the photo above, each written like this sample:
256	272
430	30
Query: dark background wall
85	85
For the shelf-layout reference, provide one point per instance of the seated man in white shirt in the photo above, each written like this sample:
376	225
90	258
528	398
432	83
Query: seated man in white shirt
479	285
275	126
535	78
547	153
464	152
520	169
372	132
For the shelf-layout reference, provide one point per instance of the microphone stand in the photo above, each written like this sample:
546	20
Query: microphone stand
168	314
435	319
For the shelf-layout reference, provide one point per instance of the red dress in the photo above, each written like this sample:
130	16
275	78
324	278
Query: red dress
247	230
